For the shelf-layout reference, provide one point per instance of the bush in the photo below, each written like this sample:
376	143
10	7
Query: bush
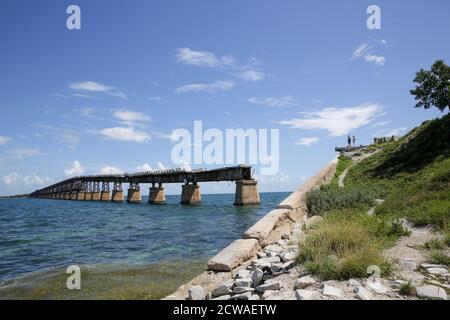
327	199
344	245
407	289
439	257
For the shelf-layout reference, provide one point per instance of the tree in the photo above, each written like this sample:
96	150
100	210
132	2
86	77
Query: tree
433	87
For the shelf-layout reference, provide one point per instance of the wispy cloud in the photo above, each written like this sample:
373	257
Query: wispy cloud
210	88
202	58
307	141
20	154
95	87
391	132
110	170
337	121
285	101
16	179
129	116
129	134
4	140
75	170
250	75
249	72
362	52
144	167
61	135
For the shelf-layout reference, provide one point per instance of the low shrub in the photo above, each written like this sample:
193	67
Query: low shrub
326	199
344	245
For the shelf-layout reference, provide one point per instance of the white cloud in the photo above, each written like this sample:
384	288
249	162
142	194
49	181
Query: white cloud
202	58
20	154
391	132
62	135
210	88
251	75
380	124
129	116
4	140
75	170
125	134
144	167
274	102
160	166
92	86
362	52
18	180
337	121
185	166
307	141
110	170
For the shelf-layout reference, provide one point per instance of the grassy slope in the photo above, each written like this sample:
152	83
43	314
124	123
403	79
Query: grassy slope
412	175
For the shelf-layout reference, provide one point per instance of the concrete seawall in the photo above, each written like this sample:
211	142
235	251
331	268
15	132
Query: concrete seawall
268	230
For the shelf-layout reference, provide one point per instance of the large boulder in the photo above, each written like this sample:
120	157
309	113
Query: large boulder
232	256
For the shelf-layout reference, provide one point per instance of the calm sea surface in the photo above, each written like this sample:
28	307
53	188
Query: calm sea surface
134	251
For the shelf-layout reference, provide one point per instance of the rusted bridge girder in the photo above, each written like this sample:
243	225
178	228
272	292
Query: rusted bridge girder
86	185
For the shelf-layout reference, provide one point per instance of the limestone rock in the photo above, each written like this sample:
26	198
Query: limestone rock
239	290
221	291
242	296
257	277
376	286
363	294
288	256
225	297
233	255
196	293
437	271
304	282
331	291
254	297
272	285
244	282
243	274
301	294
431	292
354	283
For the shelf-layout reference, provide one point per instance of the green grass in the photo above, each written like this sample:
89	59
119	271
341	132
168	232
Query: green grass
327	198
412	175
435	244
407	289
346	243
439	257
344	163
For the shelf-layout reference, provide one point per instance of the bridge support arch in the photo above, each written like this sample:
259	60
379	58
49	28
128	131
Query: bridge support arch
156	195
134	193
105	195
117	193
190	194
246	193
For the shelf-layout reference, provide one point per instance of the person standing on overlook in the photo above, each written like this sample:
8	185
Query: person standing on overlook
354	141
349	141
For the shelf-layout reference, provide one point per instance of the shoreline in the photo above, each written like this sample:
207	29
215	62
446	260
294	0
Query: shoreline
271	228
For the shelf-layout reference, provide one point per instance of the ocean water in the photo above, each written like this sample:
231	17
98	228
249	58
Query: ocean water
126	251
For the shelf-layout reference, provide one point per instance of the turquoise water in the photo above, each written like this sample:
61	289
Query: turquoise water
167	243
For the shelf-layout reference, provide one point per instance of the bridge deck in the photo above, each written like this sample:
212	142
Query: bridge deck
241	172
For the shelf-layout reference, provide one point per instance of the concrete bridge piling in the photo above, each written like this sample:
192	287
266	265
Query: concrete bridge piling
97	188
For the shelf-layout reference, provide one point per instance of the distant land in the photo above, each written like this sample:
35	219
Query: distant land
14	196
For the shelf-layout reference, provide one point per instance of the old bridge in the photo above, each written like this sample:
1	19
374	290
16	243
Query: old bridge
97	187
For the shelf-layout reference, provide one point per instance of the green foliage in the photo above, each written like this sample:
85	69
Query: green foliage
327	198
343	163
435	244
439	257
344	245
407	289
433	87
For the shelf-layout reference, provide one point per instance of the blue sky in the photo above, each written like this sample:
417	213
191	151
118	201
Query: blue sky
106	97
